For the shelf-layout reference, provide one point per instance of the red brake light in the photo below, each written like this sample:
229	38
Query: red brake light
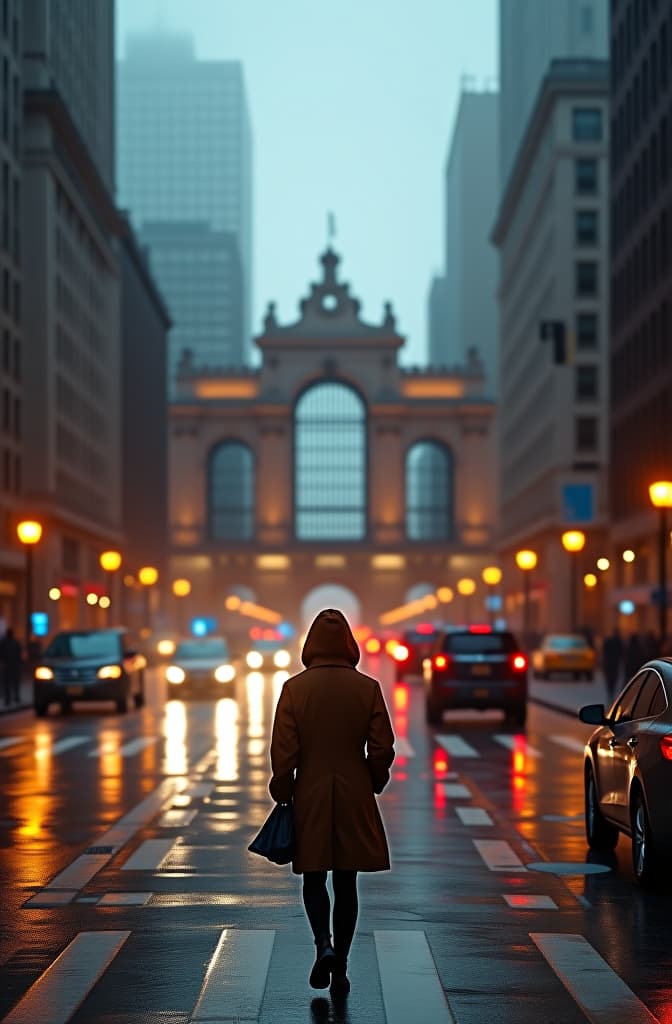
666	746
400	653
424	627
441	660
519	662
480	629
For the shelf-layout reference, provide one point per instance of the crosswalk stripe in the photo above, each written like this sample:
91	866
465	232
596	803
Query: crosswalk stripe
473	816
456	746
532	901
571	742
456	791
149	855
135	746
81	871
518	744
68	743
177	817
57	993
403	747
235	981
10	741
498	855
410	984
602	995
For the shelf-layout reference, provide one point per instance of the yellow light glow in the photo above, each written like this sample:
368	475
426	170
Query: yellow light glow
181	588
165	647
590	580
445	595
129	581
257	611
492	575
466	586
660	494
526	559
148	575
104	601
330	561
175	732
54	593
29	531
92	599
272	562
603	564
232	603
573	540
110	561
628	555
388	561
430	602
226	740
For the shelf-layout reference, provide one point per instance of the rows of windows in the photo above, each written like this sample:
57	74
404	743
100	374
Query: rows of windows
11	471
648	262
586	230
74	406
10	213
11	355
10	107
649	176
586	434
79	365
586	124
645	355
585	278
586	176
11	295
641	446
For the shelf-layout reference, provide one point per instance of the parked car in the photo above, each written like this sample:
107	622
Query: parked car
413	647
200	667
86	665
477	667
569	653
628	769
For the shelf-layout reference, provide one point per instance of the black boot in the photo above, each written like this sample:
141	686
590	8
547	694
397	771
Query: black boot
324	962
340	983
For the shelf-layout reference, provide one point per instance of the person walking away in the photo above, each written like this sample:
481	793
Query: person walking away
10	656
612	662
634	656
331	750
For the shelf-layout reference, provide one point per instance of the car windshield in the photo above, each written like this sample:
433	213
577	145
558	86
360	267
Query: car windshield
479	643
215	648
267	645
567	643
85	645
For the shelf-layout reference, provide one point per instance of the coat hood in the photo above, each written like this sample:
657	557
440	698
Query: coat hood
330	636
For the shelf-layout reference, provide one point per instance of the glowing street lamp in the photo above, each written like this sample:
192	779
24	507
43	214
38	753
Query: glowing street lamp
573	541
110	562
526	560
492	576
660	494
148	575
29	532
181	588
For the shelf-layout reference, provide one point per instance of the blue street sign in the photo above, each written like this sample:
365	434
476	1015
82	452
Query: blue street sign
493	602
39	622
577	503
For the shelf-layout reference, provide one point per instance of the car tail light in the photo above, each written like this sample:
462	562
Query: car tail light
400	653
441	660
666	746
518	662
478	628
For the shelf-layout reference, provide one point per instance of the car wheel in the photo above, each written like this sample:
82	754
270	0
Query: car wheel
122	705
644	859
40	708
600	834
433	712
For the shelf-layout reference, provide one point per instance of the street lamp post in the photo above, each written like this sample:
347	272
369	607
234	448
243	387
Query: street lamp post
181	589
110	562
660	494
573	541
29	532
526	561
492	576
148	576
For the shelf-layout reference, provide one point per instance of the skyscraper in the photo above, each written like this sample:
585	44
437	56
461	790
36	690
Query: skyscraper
185	165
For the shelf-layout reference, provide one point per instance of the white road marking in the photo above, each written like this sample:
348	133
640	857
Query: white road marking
68	743
456	746
81	871
498	855
234	984
65	984
149	855
10	741
473	816
177	817
46	898
135	746
124	899
571	742
456	791
518	744
411	987
198	789
403	747
598	990
522	901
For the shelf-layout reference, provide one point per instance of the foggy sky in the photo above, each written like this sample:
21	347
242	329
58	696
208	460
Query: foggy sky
352	107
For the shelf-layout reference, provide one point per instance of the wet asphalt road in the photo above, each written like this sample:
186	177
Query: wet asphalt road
167	917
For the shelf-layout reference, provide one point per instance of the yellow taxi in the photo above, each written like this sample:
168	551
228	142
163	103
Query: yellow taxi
564	652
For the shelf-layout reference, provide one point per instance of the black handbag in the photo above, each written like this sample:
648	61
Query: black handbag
275	839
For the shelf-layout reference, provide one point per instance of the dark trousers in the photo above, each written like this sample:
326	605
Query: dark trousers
316	902
11	681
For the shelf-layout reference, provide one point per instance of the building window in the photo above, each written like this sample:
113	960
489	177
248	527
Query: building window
585	223
586	277
586	330
330	464
586	383
586	433
231	492
429	492
586	124
585	177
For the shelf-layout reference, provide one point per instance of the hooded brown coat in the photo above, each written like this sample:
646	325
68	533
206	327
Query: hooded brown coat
332	729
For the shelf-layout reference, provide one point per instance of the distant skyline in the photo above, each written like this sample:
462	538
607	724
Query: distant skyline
352	109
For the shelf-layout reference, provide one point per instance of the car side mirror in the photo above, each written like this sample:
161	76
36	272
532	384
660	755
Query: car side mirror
592	714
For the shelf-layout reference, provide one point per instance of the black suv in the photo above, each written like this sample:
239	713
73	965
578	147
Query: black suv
476	668
413	648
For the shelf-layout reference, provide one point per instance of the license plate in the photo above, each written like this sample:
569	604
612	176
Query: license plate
481	693
480	670
74	691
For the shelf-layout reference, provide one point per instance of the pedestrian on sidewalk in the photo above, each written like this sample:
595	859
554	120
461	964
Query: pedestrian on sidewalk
333	730
10	659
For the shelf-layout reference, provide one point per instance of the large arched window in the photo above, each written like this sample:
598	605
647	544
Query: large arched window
231	492
330	464
429	492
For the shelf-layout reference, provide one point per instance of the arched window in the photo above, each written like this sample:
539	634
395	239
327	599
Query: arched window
231	492
429	492
330	464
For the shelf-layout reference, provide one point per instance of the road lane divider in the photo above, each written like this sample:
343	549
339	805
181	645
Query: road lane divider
570	742
498	855
68	743
474	816
602	995
456	746
456	791
56	995
235	981
410	983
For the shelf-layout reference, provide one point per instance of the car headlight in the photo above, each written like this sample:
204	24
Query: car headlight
109	672
43	672
165	647
224	673
254	659
281	659
174	674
